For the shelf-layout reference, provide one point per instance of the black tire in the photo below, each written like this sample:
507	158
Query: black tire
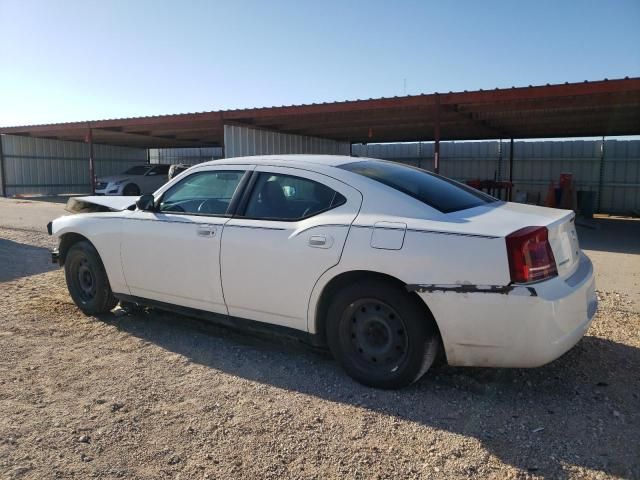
87	279
131	190
381	335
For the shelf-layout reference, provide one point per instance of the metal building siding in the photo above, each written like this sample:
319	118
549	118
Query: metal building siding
535	165
242	141
47	167
188	156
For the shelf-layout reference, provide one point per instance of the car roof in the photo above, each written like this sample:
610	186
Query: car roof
325	160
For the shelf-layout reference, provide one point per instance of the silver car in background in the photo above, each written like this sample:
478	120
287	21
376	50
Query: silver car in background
137	180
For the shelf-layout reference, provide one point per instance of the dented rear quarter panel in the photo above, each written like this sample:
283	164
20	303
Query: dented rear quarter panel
428	256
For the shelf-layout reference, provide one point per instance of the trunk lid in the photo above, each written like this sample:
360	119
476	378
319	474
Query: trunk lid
564	243
503	218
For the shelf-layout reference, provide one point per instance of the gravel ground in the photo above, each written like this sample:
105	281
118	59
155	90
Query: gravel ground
164	396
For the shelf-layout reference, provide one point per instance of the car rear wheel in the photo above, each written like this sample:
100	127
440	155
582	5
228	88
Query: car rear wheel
87	279
131	190
380	334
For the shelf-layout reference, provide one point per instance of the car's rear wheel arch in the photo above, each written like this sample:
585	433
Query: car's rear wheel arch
347	278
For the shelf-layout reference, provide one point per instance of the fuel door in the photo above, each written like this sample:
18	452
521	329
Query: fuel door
388	235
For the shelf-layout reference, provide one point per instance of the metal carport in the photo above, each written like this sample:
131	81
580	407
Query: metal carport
598	108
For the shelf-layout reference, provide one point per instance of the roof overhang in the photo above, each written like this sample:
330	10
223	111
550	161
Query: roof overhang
608	107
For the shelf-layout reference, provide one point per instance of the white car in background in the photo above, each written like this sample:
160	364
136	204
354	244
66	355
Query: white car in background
384	263
139	179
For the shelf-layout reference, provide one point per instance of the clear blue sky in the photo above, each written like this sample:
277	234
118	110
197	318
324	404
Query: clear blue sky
80	60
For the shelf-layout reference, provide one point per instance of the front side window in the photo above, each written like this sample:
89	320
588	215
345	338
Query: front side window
202	193
438	192
286	197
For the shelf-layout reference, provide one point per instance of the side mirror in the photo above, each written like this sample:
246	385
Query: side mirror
146	203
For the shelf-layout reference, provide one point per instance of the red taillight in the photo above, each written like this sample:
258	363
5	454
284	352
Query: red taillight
530	255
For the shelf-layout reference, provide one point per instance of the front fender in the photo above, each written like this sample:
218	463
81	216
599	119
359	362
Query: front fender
104	231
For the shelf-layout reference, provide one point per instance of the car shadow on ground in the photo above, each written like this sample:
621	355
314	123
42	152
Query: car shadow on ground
619	235
547	412
19	260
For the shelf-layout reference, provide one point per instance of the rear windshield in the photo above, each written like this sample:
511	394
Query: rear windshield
137	170
438	192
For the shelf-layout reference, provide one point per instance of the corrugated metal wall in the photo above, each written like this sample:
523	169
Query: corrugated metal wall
41	166
188	156
535	164
240	141
48	167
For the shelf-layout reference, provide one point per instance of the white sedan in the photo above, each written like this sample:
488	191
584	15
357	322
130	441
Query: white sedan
383	263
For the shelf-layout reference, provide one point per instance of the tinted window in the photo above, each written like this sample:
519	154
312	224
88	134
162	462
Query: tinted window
436	191
137	170
285	197
205	193
161	169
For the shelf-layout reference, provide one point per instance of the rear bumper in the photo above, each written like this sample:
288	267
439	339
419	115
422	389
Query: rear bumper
516	329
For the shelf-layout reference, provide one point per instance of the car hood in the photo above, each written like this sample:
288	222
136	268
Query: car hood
99	204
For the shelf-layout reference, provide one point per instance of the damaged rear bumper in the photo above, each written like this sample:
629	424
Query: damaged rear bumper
515	328
464	288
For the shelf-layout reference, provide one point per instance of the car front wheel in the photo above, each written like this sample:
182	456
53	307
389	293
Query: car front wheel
87	279
380	334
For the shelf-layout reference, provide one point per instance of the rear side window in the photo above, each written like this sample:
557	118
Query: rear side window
287	197
438	192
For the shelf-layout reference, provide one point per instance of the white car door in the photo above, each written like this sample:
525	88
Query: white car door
290	228
172	255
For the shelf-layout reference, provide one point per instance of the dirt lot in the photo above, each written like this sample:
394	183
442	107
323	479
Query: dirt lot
165	396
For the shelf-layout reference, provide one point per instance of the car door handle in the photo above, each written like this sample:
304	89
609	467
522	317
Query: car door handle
206	230
320	241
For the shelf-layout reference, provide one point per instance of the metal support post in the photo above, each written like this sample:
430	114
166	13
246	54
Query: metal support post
92	170
499	169
601	177
3	173
511	169
436	137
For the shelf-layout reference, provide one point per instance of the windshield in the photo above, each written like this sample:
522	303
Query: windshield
137	170
438	192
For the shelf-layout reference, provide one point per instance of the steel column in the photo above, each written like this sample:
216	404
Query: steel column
511	169
92	176
601	176
436	137
3	174
499	169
